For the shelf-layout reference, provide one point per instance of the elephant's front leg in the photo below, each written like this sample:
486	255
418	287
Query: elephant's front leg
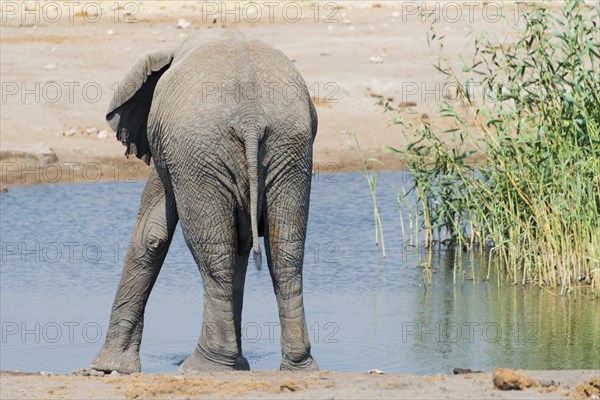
156	222
287	214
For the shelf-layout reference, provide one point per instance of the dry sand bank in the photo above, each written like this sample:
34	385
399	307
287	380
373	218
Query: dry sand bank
276	384
57	74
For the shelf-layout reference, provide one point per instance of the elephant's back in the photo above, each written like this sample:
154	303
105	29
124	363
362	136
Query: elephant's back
223	68
220	81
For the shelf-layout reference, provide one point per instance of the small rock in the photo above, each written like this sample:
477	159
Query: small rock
589	389
115	373
508	379
3	189
549	383
91	131
405	104
378	96
95	372
110	32
88	372
461	371
46	373
71	132
183	23
376	372
376	60
50	67
103	135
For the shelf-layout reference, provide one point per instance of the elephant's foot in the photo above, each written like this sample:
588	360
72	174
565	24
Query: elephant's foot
111	359
197	362
241	364
307	363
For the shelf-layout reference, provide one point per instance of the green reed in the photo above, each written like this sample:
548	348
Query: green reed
532	199
371	176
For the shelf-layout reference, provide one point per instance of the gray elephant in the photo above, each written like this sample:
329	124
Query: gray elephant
227	126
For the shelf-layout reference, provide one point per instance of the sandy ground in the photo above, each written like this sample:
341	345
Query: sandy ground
57	71
276	385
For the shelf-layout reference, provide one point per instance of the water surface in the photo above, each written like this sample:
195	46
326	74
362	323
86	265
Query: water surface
62	249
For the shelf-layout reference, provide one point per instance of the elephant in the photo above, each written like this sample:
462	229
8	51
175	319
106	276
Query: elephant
226	125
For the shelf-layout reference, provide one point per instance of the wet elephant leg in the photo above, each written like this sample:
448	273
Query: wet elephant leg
287	217
239	278
210	232
156	222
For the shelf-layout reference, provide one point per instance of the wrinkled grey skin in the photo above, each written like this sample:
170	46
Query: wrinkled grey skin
230	169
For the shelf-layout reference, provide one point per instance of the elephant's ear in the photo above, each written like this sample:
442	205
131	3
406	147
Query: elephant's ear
314	125
128	111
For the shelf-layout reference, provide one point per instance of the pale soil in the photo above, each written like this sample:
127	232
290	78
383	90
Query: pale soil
276	384
46	65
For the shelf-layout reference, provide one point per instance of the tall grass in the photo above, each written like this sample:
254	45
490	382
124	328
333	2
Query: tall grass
533	199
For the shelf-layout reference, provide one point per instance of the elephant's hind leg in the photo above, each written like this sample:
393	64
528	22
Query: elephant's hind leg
156	222
239	279
210	233
287	213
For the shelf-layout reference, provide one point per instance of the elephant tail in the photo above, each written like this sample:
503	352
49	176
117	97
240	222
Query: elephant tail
251	141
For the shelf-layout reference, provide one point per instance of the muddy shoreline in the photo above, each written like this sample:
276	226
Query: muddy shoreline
34	167
287	385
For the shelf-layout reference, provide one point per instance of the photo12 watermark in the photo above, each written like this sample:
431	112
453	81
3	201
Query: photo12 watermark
269	11
208	92
325	172
68	252
93	252
52	12
415	92
37	332
452	12
271	331
51	332
27	172
470	332
208	12
322	253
